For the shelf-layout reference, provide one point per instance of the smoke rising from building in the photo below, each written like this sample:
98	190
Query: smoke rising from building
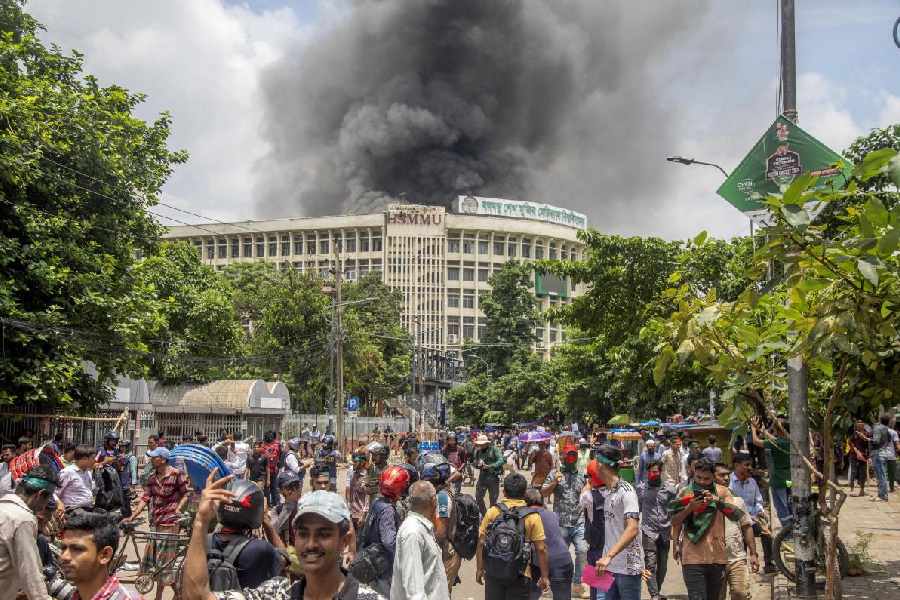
420	100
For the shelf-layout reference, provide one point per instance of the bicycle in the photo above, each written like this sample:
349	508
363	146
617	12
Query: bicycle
145	580
784	554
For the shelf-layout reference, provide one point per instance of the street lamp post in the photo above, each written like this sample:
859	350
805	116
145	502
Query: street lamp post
693	161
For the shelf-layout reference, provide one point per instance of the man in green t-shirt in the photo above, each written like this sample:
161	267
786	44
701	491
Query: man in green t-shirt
489	460
779	460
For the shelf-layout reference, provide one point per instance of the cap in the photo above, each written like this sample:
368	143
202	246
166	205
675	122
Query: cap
159	452
650	442
327	505
482	440
608	455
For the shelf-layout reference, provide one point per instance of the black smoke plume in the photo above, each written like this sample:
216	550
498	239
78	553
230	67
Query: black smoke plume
421	100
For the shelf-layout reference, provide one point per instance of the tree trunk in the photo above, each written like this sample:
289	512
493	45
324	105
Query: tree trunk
829	505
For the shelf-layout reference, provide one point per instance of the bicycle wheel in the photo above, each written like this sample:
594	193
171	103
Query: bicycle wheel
785	557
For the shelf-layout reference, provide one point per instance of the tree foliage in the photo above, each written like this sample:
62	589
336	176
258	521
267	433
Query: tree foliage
77	174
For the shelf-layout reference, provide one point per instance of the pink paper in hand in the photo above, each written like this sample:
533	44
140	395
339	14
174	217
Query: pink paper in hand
602	583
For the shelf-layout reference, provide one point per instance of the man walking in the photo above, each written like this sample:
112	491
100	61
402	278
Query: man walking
736	575
656	525
76	482
882	452
558	557
418	568
700	511
499	583
674	463
20	564
650	454
712	452
566	485
489	460
623	555
743	485
779	448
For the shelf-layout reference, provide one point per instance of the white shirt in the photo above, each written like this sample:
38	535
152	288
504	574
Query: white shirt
20	564
7	486
418	569
241	452
76	487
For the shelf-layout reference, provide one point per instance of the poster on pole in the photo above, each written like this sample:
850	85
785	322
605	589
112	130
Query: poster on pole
782	153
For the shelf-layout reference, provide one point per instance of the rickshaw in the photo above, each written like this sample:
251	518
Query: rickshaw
629	440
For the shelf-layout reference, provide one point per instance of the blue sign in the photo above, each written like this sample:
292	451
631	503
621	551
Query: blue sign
353	404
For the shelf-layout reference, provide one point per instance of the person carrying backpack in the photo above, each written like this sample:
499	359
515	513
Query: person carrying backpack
508	535
236	559
374	561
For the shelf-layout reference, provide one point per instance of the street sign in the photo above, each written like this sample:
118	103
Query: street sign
784	152
353	404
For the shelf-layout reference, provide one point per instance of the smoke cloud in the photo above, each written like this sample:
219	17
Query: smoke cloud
545	100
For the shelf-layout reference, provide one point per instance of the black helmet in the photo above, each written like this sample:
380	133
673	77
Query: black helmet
378	449
245	511
328	442
111	435
436	473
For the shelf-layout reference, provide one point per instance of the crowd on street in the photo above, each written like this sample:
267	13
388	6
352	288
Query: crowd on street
555	512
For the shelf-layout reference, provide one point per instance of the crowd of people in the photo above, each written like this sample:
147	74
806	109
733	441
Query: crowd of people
560	514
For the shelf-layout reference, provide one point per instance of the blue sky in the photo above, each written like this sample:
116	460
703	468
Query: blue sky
201	60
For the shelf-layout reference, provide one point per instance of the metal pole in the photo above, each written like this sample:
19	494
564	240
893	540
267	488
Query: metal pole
788	61
339	352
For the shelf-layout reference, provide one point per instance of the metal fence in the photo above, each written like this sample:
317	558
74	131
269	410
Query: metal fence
42	427
355	427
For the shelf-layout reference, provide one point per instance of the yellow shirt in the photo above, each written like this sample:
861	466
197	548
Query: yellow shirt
534	527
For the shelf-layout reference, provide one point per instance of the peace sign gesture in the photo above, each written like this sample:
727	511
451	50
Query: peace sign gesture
212	495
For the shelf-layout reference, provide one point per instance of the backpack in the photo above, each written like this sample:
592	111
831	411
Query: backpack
595	525
464	526
506	551
110	494
220	564
372	559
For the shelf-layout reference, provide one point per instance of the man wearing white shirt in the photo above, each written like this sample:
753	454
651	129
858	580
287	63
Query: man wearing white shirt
241	452
7	485
76	482
674	463
744	486
418	568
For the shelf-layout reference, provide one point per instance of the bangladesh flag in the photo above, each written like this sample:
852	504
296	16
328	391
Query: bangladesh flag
699	522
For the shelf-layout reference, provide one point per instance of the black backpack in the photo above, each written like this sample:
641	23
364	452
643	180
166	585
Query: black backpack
221	564
464	526
506	551
372	558
594	530
110	495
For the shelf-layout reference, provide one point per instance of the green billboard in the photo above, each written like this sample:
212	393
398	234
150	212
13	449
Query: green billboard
783	153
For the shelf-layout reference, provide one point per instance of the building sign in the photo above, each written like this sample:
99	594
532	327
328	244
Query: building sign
783	153
548	284
270	403
499	207
414	219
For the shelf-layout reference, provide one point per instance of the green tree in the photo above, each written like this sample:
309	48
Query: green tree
77	174
198	327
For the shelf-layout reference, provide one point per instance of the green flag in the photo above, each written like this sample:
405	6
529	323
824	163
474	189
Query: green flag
783	153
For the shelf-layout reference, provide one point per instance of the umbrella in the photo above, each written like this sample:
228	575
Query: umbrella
199	461
619	420
530	437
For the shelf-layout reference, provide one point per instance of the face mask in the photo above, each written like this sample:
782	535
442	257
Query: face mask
654	478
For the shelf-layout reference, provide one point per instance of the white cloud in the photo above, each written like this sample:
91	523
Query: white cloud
200	60
890	112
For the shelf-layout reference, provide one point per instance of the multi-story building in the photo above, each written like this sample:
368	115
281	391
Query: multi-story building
440	261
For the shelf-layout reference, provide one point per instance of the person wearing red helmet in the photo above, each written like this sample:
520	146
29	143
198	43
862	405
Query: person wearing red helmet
374	562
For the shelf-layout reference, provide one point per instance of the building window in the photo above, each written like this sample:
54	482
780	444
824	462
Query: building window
323	246
482	331
273	246
298	245
350	243
210	249
376	265
247	251
311	246
453	246
285	245
260	247
468	274
526	248
198	245
235	248
452	300
552	251
298	266
222	249
452	273
468	246
539	333
511	248
376	244
453	326
469	299
482	275
498	248
539	251
564	254
482	247
468	328
553	335
364	242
